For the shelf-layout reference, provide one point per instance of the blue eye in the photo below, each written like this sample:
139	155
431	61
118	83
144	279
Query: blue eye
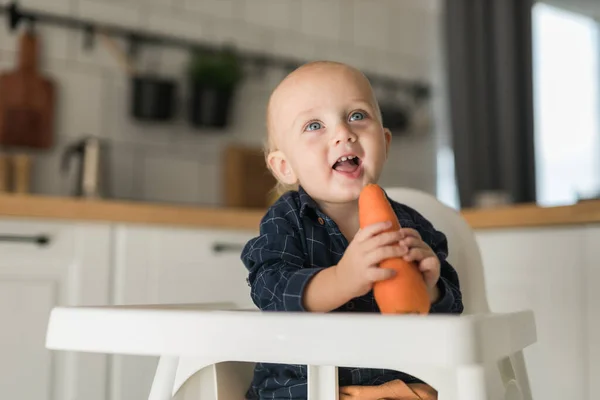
357	116
313	126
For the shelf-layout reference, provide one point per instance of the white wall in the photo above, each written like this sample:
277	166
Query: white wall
175	163
586	7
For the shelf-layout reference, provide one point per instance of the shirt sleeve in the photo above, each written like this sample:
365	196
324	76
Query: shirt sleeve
450	300
275	260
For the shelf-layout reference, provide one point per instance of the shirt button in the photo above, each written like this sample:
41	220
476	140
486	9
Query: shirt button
321	221
350	306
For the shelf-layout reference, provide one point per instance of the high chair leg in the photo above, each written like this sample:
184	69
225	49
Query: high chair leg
164	378
481	382
322	382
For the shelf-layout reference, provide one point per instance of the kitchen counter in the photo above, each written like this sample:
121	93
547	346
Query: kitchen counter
66	208
523	215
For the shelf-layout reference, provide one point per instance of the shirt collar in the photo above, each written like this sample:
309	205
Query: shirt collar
306	202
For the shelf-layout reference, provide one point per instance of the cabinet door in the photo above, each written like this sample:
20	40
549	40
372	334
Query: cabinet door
543	270
591	278
162	265
71	269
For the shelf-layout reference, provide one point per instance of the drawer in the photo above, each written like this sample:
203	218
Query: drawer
171	265
27	241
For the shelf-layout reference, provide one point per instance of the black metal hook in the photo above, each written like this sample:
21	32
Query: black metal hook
88	37
14	16
134	46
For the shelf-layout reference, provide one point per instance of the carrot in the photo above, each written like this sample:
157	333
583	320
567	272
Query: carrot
406	292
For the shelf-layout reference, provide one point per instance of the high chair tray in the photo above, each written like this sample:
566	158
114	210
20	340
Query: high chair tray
298	338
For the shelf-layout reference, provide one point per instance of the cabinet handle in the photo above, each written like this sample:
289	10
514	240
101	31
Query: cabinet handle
40	240
227	247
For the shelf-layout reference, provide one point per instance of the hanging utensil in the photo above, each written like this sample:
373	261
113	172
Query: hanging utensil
27	100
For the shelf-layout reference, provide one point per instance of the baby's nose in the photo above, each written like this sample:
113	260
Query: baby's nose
345	135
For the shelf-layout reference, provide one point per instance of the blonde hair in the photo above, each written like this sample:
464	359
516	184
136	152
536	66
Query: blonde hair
269	144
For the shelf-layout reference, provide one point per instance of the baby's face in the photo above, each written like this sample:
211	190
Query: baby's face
327	128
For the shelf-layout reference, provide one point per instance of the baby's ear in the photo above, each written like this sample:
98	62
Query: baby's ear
388	139
282	169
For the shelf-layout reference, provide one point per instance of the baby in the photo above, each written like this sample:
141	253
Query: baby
325	142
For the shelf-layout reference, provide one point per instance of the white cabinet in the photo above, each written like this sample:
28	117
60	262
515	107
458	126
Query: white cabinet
591	277
545	270
169	265
71	269
99	264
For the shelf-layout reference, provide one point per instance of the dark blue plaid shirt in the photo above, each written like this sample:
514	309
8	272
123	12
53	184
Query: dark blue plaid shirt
296	241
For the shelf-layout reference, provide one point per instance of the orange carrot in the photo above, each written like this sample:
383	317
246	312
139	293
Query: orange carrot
406	292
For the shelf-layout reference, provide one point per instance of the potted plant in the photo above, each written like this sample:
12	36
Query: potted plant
213	78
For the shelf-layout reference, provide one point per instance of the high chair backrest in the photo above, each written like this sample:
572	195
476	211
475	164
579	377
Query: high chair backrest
464	254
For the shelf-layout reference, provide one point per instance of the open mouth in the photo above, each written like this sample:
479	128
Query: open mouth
347	164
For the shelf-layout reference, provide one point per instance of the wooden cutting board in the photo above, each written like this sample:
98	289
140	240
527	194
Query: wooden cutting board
27	100
247	182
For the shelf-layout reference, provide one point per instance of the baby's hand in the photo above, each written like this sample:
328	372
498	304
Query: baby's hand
358	269
415	249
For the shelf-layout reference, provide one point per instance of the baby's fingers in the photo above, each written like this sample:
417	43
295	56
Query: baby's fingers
409	232
418	254
375	274
412	241
372	230
429	264
379	254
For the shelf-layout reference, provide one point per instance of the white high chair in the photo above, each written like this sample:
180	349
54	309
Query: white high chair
475	356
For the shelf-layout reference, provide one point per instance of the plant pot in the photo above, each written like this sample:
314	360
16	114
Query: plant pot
152	98
209	106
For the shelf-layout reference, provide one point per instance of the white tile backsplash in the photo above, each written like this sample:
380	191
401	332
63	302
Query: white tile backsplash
180	24
156	3
48	177
403	66
118	13
412	31
80	99
371	25
121	126
54	6
171	180
97	57
121	172
226	9
170	61
324	19
411	154
362	58
277	15
173	162
210	192
294	44
8	39
250	107
53	41
243	35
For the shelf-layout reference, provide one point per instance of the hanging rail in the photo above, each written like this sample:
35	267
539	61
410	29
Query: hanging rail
15	15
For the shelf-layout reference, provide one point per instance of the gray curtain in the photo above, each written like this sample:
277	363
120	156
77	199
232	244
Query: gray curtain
489	56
